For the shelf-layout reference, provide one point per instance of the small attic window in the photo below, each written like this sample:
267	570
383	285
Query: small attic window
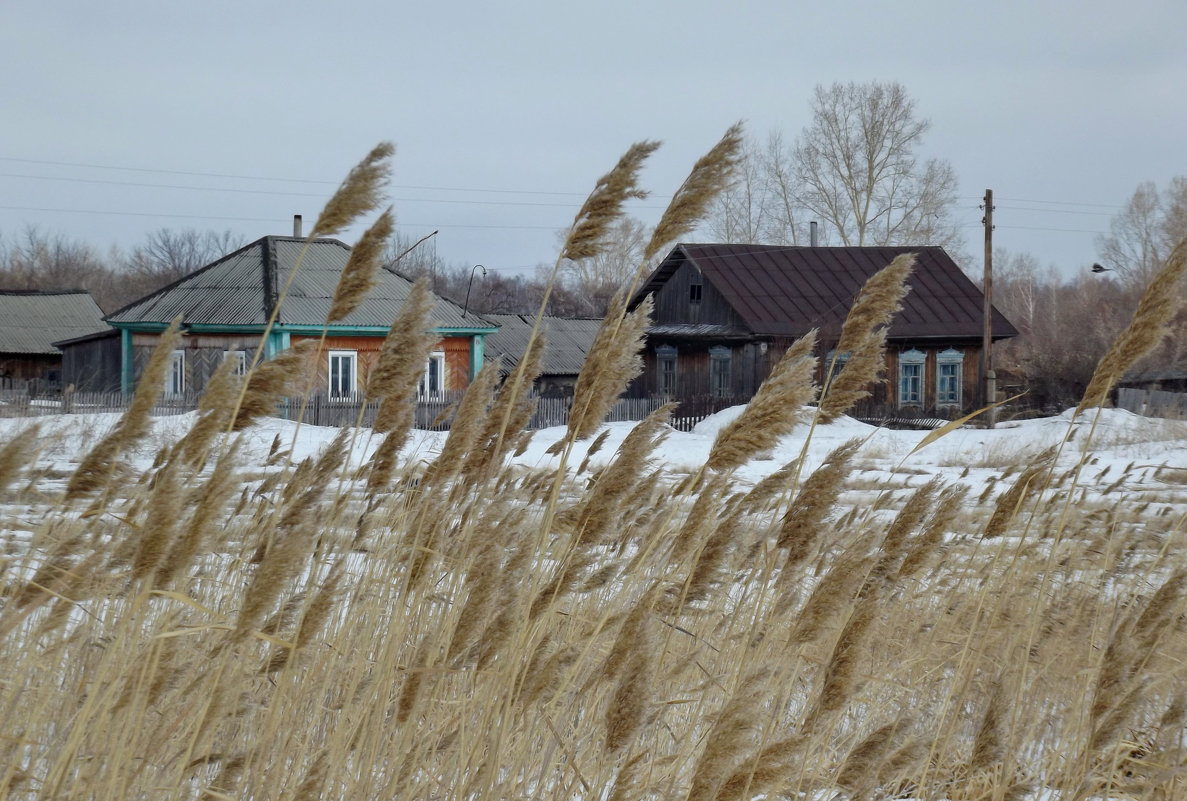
694	292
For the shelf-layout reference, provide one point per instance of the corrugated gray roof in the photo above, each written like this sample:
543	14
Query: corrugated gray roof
31	321
239	289
567	341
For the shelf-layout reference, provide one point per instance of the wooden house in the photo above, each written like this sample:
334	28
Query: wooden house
566	343
725	314
225	308
30	323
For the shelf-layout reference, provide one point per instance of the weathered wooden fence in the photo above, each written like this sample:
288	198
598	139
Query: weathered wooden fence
434	414
1153	402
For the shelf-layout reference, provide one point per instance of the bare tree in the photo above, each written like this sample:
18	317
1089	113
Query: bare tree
1144	233
762	204
857	169
592	282
42	261
167	255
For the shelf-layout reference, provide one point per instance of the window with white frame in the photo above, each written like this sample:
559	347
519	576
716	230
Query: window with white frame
344	371
432	383
666	370
910	377
719	371
175	377
239	357
949	377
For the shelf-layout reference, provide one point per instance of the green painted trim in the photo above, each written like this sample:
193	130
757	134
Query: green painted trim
466	331
300	330
477	355
276	342
127	362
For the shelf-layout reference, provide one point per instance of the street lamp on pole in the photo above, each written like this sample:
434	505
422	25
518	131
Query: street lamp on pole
466	306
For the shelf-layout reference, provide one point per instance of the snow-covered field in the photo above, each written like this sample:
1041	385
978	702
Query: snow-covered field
1120	450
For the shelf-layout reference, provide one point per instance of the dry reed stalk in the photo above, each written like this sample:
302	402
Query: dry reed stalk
710	176
864	765
988	744
863	336
402	357
894	544
604	205
466	427
157	534
209	502
735	728
632	698
214	412
315	617
96	468
16	453
760	496
1156	309
773	411
947	507
840	673
310	788
769	767
833	593
358	276
805	517
358	194
1025	487
382	465
707	571
612	363
594	516
269	382
594	447
697	525
483	580
626	781
512	410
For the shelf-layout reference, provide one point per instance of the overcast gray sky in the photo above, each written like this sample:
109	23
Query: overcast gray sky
126	116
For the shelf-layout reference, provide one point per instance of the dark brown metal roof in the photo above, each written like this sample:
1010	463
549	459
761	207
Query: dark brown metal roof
787	291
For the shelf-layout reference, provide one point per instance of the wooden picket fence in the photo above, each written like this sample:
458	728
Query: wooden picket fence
434	414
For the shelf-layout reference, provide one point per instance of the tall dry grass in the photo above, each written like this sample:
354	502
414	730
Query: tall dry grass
459	627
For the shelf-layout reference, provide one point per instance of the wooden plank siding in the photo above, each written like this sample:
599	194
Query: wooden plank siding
672	302
205	352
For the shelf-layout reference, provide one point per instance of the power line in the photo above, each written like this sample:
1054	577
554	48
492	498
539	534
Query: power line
320	195
281	180
264	219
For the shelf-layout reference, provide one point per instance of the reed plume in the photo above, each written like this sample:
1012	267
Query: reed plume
863	336
773	411
587	234
804	520
396	375
214	412
270	381
359	274
97	466
612	363
16	453
466	428
359	193
1158	305
710	176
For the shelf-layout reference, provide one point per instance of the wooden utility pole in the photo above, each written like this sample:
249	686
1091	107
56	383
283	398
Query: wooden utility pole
988	378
